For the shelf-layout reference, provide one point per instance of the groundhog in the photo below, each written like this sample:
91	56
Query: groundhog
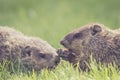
32	53
92	40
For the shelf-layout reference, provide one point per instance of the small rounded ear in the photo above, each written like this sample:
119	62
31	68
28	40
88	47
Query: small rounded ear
95	29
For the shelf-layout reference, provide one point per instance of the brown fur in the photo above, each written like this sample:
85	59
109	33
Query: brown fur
92	39
33	53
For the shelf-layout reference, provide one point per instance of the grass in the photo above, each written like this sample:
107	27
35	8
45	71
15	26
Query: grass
63	71
51	20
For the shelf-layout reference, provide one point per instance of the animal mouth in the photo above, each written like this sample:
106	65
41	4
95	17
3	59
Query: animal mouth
66	44
66	54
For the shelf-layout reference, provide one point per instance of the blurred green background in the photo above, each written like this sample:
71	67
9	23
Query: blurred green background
52	19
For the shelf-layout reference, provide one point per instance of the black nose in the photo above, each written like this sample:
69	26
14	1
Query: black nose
62	42
57	60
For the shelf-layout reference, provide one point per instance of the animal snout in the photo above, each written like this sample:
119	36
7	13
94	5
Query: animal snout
62	42
57	60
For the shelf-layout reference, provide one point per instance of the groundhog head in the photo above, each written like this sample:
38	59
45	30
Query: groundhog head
38	58
76	40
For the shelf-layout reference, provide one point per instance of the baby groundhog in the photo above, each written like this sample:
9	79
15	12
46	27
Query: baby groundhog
32	53
92	39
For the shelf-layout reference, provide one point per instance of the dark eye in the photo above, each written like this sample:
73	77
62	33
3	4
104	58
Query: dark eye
29	53
78	35
42	55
